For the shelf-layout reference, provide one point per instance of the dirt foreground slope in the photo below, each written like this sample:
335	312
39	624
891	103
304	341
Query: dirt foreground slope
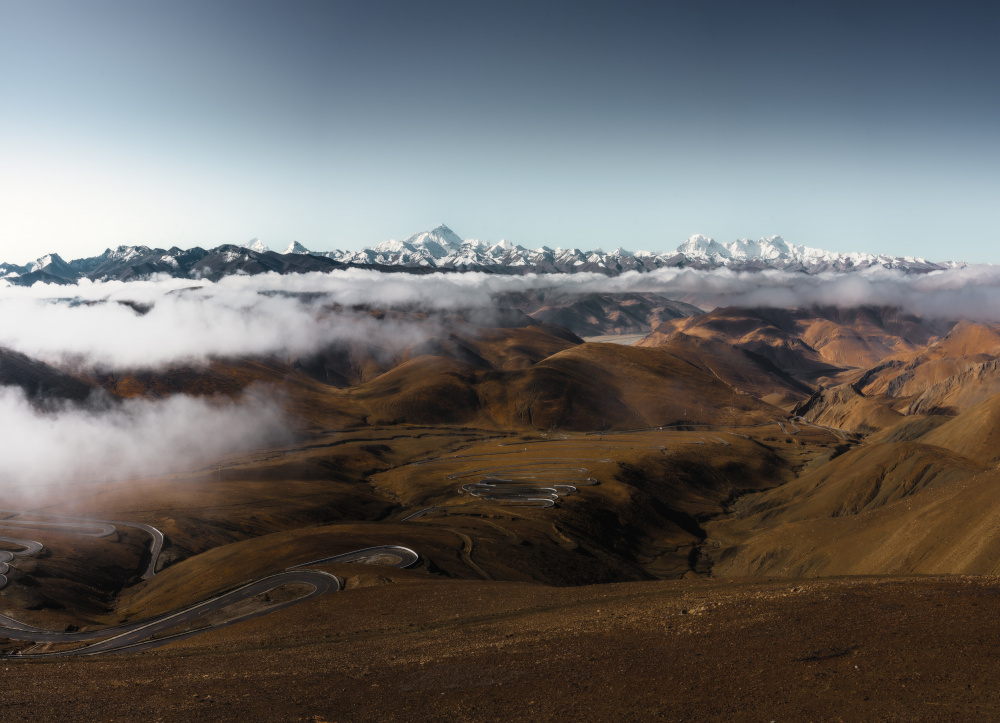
874	649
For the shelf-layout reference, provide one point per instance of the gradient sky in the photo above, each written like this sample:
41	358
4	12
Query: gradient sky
847	126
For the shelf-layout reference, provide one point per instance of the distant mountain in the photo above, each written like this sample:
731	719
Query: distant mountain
443	250
295	248
128	263
596	314
774	252
255	244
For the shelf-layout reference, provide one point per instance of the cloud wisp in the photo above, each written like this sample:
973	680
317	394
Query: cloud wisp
75	443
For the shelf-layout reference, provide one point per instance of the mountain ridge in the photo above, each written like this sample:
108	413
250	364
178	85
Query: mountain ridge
441	249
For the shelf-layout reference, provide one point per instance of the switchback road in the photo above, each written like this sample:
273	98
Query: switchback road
139	636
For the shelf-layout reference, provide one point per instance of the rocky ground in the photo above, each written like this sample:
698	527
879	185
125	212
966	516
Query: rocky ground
405	646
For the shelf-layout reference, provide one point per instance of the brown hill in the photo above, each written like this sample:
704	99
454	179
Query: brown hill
609	385
309	403
740	368
587	387
600	314
501	378
39	381
960	391
488	339
862	336
843	407
351	363
425	390
860	480
975	433
890	508
965	346
967	339
810	344
754	331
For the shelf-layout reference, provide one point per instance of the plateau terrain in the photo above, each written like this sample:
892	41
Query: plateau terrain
469	512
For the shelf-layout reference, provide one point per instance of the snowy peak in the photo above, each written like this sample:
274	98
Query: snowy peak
293	248
393	247
53	265
773	247
771	251
699	246
255	244
437	243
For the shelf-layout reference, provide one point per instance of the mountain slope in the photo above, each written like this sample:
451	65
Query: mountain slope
598	314
39	381
739	368
883	509
808	344
585	387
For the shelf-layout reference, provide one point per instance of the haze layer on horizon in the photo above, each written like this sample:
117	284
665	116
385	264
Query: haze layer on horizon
845	126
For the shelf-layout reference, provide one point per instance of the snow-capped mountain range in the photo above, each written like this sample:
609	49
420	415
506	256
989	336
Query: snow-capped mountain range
442	249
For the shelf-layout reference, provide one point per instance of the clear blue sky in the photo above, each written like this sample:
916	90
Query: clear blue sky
850	126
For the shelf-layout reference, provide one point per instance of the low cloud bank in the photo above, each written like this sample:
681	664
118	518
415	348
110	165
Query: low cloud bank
250	315
170	321
189	328
971	292
79	443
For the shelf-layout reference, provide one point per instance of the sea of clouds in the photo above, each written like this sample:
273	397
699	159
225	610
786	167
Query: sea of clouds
181	321
190	322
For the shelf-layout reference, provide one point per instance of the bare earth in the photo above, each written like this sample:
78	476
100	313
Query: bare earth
836	649
626	339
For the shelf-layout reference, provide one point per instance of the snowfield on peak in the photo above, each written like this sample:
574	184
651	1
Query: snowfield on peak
255	244
295	248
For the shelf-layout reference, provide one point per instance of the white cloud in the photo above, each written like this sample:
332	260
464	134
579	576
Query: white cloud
80	443
253	315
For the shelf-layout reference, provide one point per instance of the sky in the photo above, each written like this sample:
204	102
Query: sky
838	125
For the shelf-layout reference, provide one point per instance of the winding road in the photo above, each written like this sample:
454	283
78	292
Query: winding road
139	636
533	483
75	526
